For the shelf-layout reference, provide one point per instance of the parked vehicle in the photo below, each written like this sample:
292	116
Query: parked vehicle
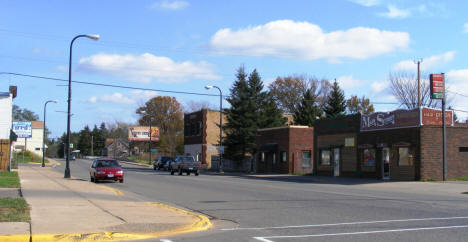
160	162
185	164
106	169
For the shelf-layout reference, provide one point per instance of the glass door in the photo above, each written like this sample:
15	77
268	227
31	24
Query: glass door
385	163
336	162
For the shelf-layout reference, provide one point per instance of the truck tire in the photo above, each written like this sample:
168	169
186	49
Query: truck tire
180	172
172	172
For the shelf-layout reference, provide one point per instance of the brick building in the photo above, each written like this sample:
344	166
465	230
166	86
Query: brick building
286	149
336	146
201	136
397	145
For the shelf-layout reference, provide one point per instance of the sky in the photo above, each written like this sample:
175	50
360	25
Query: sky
183	45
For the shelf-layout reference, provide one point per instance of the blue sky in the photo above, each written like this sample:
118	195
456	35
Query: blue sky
184	45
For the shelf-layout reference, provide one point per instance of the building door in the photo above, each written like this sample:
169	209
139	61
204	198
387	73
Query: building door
336	162
385	163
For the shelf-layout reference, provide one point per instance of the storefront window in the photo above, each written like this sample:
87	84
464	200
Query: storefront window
306	157
283	156
368	157
325	157
405	158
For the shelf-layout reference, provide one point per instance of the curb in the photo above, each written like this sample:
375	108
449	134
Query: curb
202	223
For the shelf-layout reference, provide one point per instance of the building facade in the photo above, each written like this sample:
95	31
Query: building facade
286	149
201	136
6	108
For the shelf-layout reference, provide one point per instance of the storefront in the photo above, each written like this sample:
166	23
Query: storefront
336	146
286	149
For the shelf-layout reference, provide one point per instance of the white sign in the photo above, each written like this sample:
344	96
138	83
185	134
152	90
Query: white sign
22	129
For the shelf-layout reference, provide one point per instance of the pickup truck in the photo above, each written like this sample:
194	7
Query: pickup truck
185	164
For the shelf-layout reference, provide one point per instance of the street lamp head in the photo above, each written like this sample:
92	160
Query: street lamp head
93	36
208	87
54	101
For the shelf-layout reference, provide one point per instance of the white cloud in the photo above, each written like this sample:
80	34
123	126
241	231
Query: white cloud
348	82
367	3
134	97
427	63
289	39
147	67
170	5
457	82
378	87
465	28
394	12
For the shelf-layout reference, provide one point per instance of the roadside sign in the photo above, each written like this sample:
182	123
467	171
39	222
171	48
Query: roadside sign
221	150
437	86
22	129
71	145
154	150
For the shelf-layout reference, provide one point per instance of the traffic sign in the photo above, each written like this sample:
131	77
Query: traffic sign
437	86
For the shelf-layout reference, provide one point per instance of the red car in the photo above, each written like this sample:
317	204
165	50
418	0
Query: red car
106	169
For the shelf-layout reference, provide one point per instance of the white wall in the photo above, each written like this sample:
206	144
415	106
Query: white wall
5	116
193	150
34	143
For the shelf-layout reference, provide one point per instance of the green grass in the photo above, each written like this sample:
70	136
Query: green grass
28	157
9	179
14	210
302	174
461	178
138	159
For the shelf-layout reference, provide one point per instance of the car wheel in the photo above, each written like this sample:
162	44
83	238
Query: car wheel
196	173
180	172
172	172
188	173
154	167
121	181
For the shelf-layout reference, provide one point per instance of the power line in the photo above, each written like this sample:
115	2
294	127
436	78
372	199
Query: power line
108	85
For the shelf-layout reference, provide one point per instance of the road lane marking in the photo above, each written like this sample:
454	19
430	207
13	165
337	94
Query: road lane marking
266	238
165	240
348	223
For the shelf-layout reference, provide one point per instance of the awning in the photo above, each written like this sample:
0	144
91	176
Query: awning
269	147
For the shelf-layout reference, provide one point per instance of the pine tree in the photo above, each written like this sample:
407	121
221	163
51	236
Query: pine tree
237	125
84	141
307	110
336	103
251	109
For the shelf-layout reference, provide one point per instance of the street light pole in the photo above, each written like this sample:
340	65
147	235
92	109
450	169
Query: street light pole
67	148
220	126
43	131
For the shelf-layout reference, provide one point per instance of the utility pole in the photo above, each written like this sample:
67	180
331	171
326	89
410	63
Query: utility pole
444	148
418	62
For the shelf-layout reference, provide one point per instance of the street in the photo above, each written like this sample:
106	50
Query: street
301	208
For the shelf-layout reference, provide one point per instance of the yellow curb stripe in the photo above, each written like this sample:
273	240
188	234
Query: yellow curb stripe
203	223
38	163
112	190
14	238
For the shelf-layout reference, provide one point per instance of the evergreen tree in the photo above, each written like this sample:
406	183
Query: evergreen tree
238	126
84	141
336	103
251	109
307	111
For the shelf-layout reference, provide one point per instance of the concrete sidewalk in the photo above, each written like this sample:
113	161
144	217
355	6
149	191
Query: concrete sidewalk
77	210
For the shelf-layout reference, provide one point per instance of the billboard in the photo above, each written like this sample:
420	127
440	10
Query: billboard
141	133
432	116
22	129
391	120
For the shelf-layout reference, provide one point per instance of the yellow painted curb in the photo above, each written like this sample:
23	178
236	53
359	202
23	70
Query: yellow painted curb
38	163
202	223
112	190
14	238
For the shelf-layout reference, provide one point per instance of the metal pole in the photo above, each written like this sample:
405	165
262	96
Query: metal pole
221	165
444	136
43	135
419	85
150	141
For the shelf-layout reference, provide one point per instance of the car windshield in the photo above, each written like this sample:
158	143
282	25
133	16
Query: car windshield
186	159
107	163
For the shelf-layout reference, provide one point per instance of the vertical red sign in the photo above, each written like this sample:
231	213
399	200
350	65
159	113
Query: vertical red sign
437	86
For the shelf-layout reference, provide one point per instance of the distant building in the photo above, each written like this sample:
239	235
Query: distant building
33	144
201	136
116	148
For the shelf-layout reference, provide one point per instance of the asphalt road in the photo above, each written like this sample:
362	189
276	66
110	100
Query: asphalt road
286	208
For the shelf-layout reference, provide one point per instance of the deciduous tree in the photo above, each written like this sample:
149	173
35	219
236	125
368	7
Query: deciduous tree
359	105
